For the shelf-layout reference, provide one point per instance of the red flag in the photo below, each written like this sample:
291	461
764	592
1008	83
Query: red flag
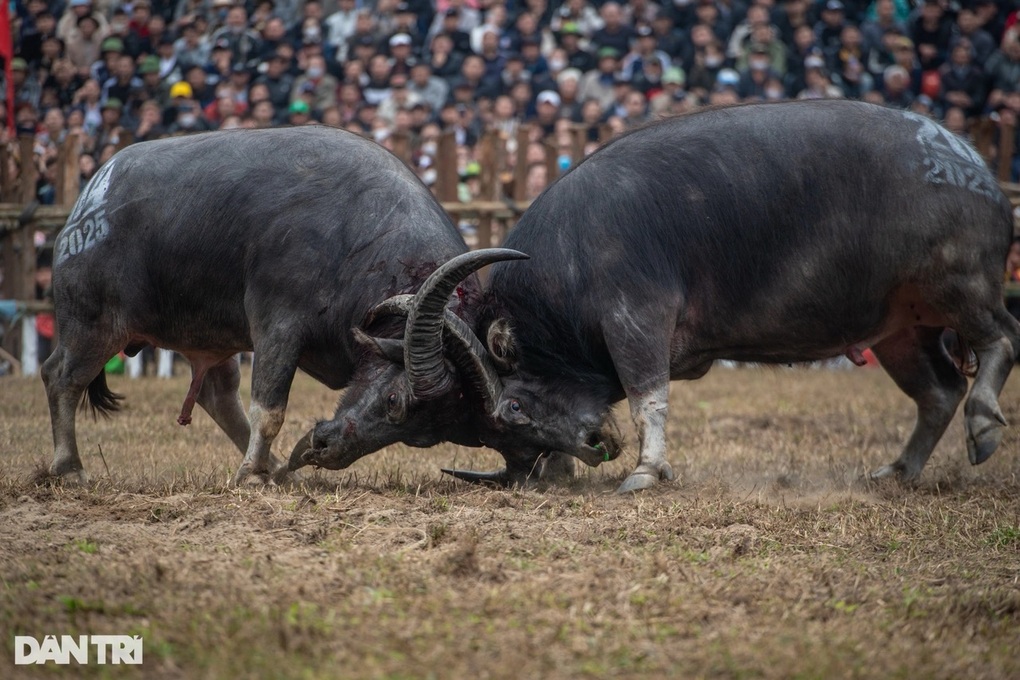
7	52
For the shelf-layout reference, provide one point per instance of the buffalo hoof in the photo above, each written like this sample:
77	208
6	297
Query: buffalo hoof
69	477
983	437
284	475
893	471
245	476
645	477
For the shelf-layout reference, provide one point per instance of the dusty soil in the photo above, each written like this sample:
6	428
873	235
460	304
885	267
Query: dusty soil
766	559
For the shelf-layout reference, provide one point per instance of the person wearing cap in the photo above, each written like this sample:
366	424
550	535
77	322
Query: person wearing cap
643	49
615	32
577	56
598	83
401	57
673	81
405	20
110	129
547	111
187	117
109	51
27	89
830	26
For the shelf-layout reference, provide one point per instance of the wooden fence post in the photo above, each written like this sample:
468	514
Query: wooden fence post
488	184
446	167
521	164
1007	137
402	146
69	174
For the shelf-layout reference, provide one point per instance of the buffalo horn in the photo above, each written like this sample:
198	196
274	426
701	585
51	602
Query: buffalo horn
423	347
499	478
466	352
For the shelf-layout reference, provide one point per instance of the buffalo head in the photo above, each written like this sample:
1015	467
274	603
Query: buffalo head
419	389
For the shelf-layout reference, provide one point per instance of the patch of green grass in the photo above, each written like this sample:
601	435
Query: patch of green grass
86	546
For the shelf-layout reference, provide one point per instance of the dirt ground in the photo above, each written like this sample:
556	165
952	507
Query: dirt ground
768	558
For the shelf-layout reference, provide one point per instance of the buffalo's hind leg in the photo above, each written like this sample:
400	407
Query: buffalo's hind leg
219	397
995	339
76	363
917	362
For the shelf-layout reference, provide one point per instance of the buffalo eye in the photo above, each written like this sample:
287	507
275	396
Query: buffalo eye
515	406
391	400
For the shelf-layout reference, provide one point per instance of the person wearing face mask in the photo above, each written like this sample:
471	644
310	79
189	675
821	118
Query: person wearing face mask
321	85
707	63
755	76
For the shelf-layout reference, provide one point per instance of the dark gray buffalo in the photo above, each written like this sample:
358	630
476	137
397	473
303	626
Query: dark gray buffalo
278	241
765	233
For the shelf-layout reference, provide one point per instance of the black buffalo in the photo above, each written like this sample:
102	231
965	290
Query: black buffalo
278	241
771	233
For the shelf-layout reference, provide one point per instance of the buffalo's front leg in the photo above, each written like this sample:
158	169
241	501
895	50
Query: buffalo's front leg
649	413
272	375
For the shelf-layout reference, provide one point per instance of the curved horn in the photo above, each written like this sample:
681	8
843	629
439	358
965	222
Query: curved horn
500	477
423	347
466	352
472	361
398	305
511	475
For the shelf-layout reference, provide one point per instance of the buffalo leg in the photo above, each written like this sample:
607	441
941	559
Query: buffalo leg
918	364
272	374
66	374
995	340
648	410
219	398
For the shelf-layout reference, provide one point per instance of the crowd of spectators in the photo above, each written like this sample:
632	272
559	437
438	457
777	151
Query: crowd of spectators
154	68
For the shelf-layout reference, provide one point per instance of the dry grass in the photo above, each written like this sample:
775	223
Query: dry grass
767	560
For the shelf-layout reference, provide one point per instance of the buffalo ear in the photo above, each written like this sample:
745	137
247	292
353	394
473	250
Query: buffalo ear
501	344
387	348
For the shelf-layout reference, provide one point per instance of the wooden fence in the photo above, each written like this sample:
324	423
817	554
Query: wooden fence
501	198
